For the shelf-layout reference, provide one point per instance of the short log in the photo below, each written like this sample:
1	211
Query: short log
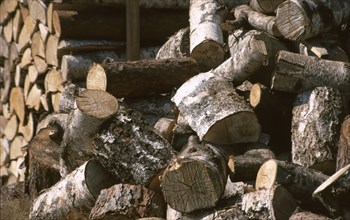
177	46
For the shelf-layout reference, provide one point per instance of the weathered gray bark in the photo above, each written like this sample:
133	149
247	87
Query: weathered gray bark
315	128
265	6
308	215
196	178
177	46
343	156
303	19
130	149
215	111
73	196
125	201
244	168
296	73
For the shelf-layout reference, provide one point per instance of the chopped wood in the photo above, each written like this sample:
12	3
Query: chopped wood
74	195
55	101
127	201
11	128
296	73
27	85
308	215
6	112
4	52
196	178
265	6
177	46
44	32
136	78
37	10
32	73
7	32
27	30
15	148
19	76
223	116
38	46
206	39
315	128
343	155
45	102
165	126
11	5
53	81
303	19
26	59
17	104
8	81
33	98
51	50
266	177
17	25
28	129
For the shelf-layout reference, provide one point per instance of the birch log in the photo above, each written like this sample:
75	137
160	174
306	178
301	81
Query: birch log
177	46
303	19
265	6
93	108
206	39
196	178
74	196
343	156
295	73
215	111
315	128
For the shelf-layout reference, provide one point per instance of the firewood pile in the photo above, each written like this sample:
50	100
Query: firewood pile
236	110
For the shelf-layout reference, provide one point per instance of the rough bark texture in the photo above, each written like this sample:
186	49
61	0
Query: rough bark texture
343	156
215	111
130	149
196	178
177	46
142	78
315	128
296	73
265	6
125	201
206	39
244	168
74	196
303	19
307	215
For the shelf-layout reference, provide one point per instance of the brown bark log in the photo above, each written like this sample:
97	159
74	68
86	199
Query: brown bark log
223	117
177	46
296	73
303	19
130	149
265	6
343	156
141	78
196	178
125	201
315	128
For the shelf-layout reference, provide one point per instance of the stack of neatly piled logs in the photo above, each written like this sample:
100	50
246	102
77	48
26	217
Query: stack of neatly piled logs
260	128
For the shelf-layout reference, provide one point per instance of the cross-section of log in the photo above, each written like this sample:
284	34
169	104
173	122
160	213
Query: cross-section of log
259	51
177	46
51	50
303	19
274	203
93	108
17	104
141	78
125	201
196	178
296	73
266	177
206	39
74	196
215	111
265	6
130	149
315	128
334	193
343	156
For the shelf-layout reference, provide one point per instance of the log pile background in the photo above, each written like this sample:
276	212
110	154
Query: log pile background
231	110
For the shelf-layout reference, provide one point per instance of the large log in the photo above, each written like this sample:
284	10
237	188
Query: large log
130	149
296	73
343	155
315	128
215	111
141	78
265	6
196	178
303	19
74	196
177	46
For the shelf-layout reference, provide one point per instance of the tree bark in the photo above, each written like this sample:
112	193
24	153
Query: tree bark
196	178
265	6
125	201
177	46
165	126
295	73
308	215
141	78
74	196
130	149
222	117
303	19
206	39
244	168
343	156
315	128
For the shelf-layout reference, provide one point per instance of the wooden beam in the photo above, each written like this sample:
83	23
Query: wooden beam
132	30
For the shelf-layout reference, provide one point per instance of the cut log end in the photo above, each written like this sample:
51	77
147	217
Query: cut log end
255	95
266	176
200	54
96	78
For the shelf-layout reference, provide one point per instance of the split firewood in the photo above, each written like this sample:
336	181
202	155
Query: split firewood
196	178
165	126
44	32
273	203
5	151
33	99
55	101
7	31
26	59
19	76
266	176
53	81
16	147
296	73
8	81
30	24
73	196
11	128
37	10
137	78
177	46
28	83
32	73
4	52
223	117
38	53
136	152
93	108
125	201
256	61
315	128
17	104
28	129
308	215
343	155
51	50
303	19
206	38
334	193
265	6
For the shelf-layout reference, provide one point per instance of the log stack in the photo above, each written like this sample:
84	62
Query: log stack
241	114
